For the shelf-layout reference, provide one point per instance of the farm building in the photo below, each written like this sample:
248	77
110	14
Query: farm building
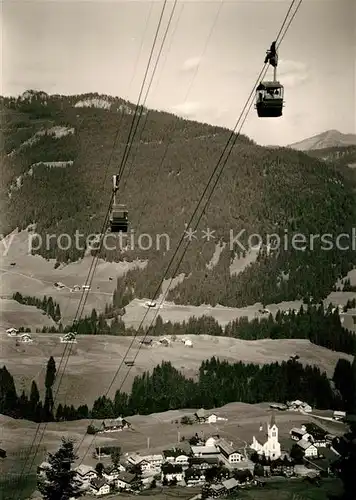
68	338
309	449
202	417
25	337
12	332
339	415
114	425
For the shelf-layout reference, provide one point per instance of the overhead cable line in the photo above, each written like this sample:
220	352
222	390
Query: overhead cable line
93	265
233	136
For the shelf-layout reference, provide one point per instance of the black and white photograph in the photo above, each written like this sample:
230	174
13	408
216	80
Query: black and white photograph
178	250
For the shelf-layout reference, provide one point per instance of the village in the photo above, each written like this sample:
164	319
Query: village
214	464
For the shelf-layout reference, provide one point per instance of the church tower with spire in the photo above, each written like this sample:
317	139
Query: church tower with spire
274	447
271	448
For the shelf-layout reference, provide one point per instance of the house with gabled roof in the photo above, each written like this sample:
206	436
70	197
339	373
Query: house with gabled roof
12	332
176	456
127	481
203	463
193	476
111	472
172	471
230	485
309	449
86	473
204	417
297	433
229	451
68	338
99	486
114	425
205	451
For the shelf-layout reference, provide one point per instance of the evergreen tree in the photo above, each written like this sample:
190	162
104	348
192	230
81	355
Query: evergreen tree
60	482
51	373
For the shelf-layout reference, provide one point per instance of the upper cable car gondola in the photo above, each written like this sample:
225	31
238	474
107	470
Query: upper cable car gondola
270	94
119	215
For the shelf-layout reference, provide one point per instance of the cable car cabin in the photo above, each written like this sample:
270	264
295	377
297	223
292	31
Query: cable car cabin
119	219
269	99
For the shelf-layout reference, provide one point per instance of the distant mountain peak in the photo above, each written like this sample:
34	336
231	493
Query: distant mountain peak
329	139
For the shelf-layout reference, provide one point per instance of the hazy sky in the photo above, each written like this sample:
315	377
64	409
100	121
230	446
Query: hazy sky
72	47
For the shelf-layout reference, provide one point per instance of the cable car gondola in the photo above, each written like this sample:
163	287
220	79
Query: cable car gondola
119	214
269	94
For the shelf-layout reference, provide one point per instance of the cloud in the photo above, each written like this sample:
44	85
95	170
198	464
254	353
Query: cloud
191	64
195	110
292	73
188	109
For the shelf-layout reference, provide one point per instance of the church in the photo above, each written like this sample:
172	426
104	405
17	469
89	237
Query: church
271	448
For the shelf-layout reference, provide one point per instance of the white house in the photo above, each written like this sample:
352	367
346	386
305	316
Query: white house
176	456
100	486
230	453
271	448
171	472
144	466
12	332
310	450
153	460
126	480
86	473
188	343
211	441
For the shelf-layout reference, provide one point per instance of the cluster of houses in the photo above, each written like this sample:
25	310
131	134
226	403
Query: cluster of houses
215	463
164	341
20	337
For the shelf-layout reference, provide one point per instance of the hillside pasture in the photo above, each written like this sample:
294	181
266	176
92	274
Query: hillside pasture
35	276
94	360
16	315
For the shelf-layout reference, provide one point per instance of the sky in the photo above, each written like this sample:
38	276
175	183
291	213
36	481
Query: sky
212	55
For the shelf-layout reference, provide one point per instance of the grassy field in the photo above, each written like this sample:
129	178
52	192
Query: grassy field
94	360
294	489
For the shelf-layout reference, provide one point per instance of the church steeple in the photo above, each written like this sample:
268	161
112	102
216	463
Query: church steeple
273	419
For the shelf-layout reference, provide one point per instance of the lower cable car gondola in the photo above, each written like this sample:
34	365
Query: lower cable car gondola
119	220
270	94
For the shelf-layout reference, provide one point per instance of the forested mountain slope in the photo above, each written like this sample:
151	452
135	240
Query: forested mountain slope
61	180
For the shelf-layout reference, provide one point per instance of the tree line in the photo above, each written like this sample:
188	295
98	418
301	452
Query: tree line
313	322
166	388
48	305
30	406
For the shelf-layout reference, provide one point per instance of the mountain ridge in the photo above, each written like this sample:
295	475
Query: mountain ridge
61	182
327	139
